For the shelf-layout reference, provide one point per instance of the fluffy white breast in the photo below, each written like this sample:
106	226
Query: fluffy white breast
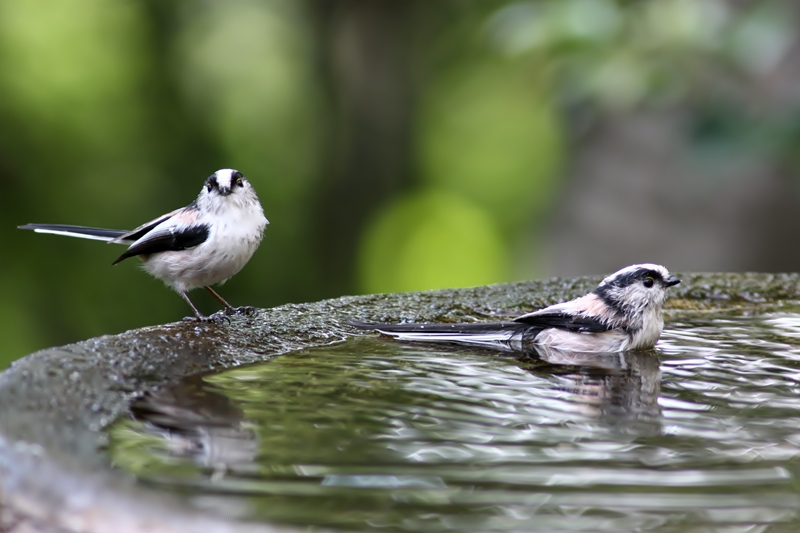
648	334
614	340
236	226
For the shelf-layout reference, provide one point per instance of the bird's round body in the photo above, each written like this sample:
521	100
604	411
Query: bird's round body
236	224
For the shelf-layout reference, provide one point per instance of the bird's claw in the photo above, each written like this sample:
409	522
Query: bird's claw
244	310
216	318
219	318
223	315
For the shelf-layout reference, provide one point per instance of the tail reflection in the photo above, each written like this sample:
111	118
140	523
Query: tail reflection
198	424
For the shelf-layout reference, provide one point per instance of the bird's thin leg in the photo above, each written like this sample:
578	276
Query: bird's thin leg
228	307
200	315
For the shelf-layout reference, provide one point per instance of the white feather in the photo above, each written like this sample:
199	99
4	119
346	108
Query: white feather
75	234
494	339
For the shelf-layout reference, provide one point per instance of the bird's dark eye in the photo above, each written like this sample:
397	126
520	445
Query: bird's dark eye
648	282
239	182
208	187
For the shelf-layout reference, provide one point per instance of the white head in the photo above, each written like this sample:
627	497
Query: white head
636	295
227	188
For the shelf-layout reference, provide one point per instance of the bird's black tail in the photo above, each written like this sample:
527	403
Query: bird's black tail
504	335
82	232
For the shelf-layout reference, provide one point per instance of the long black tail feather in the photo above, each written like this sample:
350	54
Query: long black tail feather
496	334
83	232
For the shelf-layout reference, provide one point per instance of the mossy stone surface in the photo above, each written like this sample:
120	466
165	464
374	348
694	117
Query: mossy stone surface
55	404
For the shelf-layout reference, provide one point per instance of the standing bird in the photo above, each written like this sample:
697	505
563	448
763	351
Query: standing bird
623	313
199	245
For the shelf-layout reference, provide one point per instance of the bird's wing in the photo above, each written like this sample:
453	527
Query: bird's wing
167	238
566	321
587	314
136	234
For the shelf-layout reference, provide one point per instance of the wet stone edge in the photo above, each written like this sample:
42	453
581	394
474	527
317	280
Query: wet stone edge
55	403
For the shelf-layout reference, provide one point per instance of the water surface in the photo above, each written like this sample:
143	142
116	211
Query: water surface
701	435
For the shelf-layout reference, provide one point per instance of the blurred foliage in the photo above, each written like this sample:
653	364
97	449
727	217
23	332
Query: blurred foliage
397	145
621	53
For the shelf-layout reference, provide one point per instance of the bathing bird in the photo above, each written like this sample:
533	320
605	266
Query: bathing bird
623	313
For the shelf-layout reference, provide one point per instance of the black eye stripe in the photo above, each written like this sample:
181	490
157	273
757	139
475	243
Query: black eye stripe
211	183
633	277
236	179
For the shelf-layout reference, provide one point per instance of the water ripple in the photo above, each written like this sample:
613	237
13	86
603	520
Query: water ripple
702	435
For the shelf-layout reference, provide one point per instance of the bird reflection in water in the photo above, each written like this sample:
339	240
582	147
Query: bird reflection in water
199	424
620	389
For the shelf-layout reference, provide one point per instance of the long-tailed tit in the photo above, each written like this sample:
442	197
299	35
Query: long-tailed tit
199	245
623	313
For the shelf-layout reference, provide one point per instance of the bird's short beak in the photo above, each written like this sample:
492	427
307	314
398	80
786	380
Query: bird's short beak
224	191
672	280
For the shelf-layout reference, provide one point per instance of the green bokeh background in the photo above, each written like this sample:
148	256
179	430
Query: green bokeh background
395	145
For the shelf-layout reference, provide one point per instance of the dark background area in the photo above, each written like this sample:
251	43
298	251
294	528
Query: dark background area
396	145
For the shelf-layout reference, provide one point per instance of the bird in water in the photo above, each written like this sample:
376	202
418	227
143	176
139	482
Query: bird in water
623	313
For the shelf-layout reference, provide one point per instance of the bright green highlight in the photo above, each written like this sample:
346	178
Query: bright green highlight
490	133
429	240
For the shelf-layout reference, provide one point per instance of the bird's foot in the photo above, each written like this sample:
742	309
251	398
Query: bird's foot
246	310
217	318
220	318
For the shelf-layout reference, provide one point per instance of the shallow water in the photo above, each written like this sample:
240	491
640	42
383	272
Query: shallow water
702	435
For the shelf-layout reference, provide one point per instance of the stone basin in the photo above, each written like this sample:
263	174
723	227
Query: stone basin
55	404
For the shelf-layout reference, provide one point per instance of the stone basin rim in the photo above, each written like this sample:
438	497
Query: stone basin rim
55	403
